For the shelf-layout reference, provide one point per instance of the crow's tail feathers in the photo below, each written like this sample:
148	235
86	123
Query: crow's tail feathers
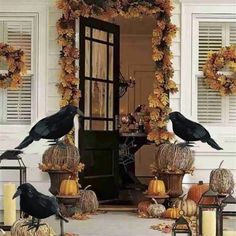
27	141
61	217
10	154
213	144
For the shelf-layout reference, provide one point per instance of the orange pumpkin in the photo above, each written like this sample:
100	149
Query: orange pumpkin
69	187
195	192
156	187
172	213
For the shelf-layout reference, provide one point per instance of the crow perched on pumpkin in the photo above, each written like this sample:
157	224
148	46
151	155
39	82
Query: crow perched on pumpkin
191	131
51	127
37	205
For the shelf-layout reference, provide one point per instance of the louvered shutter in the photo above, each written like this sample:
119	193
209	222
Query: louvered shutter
209	101
19	36
232	99
17	103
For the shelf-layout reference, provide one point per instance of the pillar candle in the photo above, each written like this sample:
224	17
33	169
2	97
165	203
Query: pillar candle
208	223
9	204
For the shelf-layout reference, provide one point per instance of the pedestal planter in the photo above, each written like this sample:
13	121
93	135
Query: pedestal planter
56	177
173	183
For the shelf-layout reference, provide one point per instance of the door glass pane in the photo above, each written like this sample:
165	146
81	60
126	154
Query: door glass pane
110	101
99	34
87	31
99	125
99	98
86	125
110	125
111	38
99	66
87	98
87	58
111	53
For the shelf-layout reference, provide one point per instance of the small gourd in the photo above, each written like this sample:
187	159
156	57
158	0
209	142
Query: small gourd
172	213
221	180
156	187
155	210
88	202
69	187
188	206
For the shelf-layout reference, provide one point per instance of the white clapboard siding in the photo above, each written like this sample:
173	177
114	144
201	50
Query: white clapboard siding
18	103
19	35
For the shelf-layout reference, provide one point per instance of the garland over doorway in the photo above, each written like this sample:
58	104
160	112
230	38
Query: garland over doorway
163	34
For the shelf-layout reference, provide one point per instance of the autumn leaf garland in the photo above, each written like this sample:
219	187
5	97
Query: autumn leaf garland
163	34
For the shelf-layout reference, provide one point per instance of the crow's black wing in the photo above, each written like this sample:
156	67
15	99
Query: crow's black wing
197	130
46	125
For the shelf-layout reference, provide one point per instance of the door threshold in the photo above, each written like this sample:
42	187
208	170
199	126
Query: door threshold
118	208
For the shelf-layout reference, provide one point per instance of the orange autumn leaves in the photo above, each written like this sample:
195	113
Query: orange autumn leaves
16	67
224	84
163	34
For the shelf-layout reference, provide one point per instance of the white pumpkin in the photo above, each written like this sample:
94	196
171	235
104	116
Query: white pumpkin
155	210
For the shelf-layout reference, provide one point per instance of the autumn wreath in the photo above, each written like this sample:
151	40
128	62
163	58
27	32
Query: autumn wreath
225	84
16	66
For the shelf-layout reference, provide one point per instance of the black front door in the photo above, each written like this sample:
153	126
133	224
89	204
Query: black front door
99	85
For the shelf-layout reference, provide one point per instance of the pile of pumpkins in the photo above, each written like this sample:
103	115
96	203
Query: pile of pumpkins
87	201
221	181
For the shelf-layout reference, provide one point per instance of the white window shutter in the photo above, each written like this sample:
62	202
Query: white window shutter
18	105
232	33
209	104
19	35
210	39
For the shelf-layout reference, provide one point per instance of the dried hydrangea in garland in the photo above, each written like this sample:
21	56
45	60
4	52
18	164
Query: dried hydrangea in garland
225	84
162	38
16	67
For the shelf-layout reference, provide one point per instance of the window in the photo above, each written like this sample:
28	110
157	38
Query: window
16	104
212	108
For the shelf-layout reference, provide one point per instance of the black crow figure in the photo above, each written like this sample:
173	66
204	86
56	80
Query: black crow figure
51	127
191	131
37	205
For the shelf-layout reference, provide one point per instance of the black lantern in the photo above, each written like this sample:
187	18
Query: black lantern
209	214
181	227
228	216
18	165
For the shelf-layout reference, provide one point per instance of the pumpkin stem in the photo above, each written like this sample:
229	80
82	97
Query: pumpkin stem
87	187
221	163
155	201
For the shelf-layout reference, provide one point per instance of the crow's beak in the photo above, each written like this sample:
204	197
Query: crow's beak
17	193
79	112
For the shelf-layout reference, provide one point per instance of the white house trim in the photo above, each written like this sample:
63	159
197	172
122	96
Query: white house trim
39	12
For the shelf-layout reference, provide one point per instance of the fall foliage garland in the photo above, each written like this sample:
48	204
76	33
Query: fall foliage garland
16	67
226	85
163	33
